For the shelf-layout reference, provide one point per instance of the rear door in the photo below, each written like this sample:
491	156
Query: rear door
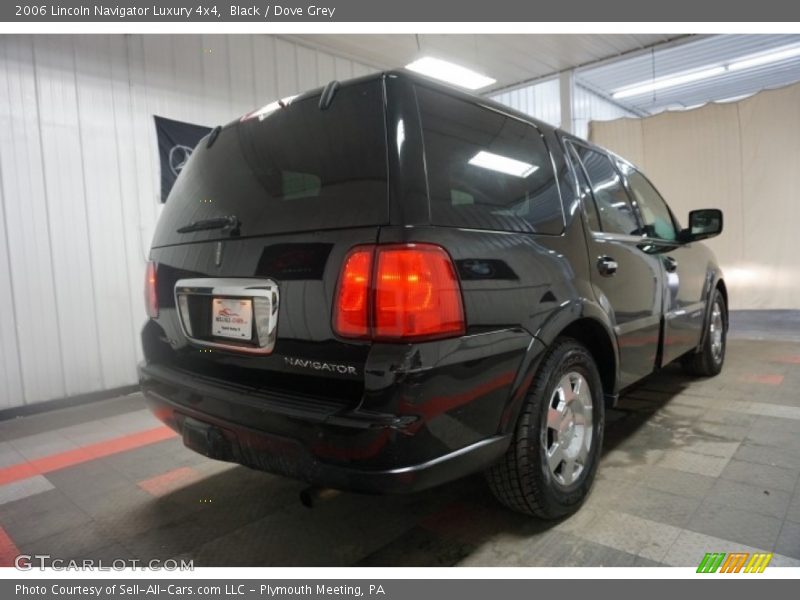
684	266
252	238
626	279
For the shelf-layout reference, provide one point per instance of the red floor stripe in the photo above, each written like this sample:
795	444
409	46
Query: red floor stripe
8	550
766	379
790	359
54	462
169	481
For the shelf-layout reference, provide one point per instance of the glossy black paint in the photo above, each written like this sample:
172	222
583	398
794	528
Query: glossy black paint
398	417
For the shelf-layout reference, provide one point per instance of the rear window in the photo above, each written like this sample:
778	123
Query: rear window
296	168
486	170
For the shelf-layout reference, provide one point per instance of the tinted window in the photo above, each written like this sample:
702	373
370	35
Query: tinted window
294	168
655	214
613	205
588	203
486	170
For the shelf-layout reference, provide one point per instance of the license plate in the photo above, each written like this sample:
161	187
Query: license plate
232	318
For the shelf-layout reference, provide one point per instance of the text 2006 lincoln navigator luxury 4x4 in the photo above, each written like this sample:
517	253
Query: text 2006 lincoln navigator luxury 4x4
387	284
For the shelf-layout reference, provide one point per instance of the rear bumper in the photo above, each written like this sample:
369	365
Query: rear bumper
316	442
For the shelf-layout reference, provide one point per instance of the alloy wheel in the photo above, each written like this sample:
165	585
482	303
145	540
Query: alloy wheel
568	436
715	331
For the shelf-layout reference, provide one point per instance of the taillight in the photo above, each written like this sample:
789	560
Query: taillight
351	316
417	294
150	291
399	293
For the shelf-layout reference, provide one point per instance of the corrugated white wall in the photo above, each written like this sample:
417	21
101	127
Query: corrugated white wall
543	101
79	184
589	107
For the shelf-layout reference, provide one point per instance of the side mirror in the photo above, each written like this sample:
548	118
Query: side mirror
703	224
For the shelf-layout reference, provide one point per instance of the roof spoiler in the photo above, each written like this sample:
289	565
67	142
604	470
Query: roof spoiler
328	93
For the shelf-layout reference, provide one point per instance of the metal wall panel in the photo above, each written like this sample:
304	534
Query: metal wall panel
62	158
10	372
542	101
26	231
79	184
589	107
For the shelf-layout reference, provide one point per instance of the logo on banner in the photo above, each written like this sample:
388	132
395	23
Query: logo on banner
178	155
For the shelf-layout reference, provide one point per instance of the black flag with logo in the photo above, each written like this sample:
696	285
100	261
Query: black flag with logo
176	141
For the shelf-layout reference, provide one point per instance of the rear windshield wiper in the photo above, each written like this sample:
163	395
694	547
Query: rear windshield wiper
231	222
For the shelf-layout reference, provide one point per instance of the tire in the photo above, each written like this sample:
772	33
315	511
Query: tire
523	479
709	360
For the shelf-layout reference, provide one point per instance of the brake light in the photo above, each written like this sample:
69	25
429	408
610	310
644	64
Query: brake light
352	301
399	293
150	291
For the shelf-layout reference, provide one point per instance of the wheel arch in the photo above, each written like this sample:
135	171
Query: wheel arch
718	283
723	289
588	324
592	334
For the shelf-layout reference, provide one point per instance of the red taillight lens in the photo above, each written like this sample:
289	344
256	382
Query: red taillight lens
413	294
417	294
150	291
351	318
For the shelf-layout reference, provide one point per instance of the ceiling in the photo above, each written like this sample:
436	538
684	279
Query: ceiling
604	63
510	59
696	54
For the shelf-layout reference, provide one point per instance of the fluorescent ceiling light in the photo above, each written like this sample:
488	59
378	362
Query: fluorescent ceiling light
502	164
762	59
746	62
449	72
667	82
734	98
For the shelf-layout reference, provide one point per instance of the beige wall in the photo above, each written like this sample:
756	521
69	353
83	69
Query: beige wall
744	158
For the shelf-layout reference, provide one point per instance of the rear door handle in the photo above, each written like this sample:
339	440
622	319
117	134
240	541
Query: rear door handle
670	264
607	266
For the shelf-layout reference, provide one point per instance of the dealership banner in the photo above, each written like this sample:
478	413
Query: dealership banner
176	142
299	11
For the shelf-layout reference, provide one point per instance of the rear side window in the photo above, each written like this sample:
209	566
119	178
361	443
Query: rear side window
486	170
296	168
587	201
613	204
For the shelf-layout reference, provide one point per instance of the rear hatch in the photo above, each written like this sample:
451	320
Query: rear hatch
254	234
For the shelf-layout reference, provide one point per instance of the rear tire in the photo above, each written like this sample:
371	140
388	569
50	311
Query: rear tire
551	463
709	360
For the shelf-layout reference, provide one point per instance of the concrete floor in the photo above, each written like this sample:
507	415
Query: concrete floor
689	467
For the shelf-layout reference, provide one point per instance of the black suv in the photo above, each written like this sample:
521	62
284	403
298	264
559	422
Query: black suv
387	284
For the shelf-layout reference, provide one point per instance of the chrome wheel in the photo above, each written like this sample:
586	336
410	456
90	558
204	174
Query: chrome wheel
715	330
568	435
